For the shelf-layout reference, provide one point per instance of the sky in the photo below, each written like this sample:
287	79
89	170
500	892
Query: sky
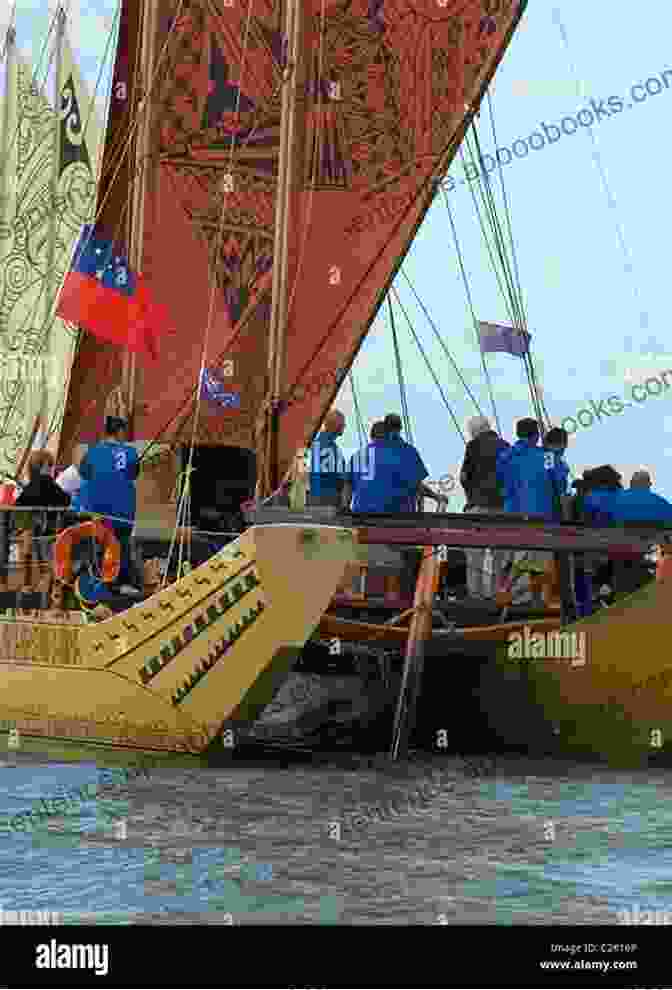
588	213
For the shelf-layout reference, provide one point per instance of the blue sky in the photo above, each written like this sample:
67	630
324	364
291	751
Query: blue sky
597	311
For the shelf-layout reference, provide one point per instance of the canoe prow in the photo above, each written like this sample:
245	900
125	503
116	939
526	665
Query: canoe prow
205	652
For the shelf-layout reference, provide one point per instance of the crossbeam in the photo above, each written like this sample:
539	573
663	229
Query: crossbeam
509	535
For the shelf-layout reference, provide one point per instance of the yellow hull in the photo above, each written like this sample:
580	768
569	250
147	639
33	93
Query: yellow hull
173	673
617	706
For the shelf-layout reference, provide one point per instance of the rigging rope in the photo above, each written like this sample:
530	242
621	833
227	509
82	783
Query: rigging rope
442	343
360	423
427	362
470	303
184	504
400	376
528	362
514	296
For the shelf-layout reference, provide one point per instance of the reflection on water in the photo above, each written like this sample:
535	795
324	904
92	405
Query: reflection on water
535	843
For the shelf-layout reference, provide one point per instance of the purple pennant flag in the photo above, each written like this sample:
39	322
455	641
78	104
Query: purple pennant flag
508	340
214	390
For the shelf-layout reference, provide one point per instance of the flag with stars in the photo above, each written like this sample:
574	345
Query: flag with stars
214	390
102	294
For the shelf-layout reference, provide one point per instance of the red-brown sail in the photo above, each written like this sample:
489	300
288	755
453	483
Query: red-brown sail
97	366
385	90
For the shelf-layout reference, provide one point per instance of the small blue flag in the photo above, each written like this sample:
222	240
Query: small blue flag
214	390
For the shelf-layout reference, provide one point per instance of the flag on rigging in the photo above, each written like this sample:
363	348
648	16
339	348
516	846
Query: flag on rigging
214	390
508	340
102	294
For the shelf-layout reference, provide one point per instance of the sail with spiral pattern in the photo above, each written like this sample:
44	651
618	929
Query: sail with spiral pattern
49	179
385	91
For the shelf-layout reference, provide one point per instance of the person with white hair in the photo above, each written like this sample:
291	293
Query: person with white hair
478	478
641	480
327	463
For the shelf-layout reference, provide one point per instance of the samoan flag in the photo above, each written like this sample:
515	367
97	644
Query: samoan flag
214	390
507	340
102	294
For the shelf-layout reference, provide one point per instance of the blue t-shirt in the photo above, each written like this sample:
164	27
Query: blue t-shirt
562	471
109	471
598	506
629	505
78	502
385	476
327	465
532	480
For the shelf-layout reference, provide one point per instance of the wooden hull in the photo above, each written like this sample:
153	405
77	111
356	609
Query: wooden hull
173	673
617	706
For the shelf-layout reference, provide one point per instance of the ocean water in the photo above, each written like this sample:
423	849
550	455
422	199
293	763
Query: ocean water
524	842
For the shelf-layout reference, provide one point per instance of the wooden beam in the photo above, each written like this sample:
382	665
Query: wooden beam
518	537
332	627
419	632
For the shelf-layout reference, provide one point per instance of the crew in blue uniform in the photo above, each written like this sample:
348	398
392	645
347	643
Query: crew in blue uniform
555	443
532	481
387	476
532	478
327	464
109	470
393	427
639	504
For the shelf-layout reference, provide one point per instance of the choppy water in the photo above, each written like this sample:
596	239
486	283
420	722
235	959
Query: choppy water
537	842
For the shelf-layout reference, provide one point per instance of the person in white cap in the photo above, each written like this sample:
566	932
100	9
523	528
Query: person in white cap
478	478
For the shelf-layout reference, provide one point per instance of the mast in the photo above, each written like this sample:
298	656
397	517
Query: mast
51	280
148	15
279	300
9	134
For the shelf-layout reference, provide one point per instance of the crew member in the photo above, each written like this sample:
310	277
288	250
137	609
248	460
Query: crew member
109	471
478	478
531	480
327	464
393	427
43	492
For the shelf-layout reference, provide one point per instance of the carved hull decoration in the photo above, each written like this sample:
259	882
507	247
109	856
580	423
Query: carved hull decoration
169	674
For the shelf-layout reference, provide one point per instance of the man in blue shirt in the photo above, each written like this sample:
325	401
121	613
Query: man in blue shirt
531	478
393	426
109	470
532	482
386	476
555	443
327	464
639	504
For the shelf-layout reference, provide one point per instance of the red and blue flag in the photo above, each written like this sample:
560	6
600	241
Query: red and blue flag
102	294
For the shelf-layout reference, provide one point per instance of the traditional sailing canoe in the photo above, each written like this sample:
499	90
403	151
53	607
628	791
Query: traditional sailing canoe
173	673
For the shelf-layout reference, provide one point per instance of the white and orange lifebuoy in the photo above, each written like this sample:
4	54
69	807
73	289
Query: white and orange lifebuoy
93	529
664	563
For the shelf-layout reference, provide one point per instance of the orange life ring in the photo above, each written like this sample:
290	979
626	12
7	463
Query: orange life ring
664	563
69	537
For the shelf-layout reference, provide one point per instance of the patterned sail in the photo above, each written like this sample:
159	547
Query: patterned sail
49	181
385	89
96	369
